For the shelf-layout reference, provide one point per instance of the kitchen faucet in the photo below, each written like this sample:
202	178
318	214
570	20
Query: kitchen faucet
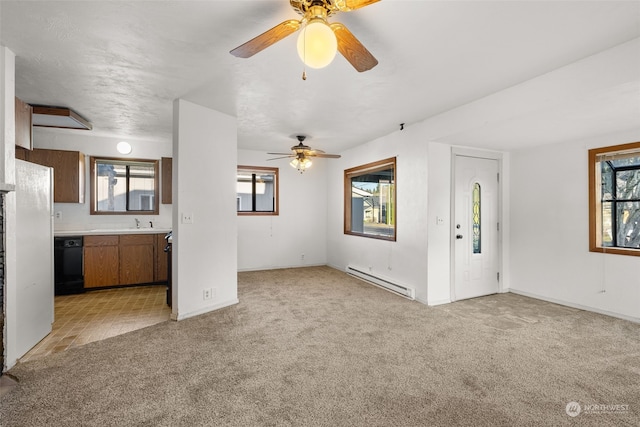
137	222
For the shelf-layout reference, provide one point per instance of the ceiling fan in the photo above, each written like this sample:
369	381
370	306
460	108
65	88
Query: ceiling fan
302	154
314	21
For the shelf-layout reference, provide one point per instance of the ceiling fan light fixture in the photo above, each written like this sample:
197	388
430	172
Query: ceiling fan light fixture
317	44
301	164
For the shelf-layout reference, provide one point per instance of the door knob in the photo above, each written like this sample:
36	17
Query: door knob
458	236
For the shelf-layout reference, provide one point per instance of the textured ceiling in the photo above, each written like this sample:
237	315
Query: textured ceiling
121	64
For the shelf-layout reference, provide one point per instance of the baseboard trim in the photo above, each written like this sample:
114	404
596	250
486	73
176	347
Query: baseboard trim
439	302
278	267
207	309
578	306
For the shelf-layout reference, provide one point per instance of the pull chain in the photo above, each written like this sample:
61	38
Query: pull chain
304	55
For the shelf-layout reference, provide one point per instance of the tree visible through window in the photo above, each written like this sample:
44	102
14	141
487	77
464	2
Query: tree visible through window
614	199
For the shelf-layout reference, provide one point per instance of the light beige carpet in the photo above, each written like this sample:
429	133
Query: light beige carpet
315	347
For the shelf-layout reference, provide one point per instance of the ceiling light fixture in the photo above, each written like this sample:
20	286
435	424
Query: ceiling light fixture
301	163
58	117
317	44
124	147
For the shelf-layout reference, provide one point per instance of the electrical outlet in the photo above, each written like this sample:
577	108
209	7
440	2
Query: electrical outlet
187	218
207	294
59	215
302	257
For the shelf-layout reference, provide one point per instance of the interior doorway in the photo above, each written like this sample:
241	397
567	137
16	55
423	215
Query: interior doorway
475	227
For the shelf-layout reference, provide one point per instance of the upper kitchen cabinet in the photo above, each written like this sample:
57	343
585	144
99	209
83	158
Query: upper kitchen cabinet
24	134
167	173
68	173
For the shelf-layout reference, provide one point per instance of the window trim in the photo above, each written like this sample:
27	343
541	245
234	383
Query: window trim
594	216
276	191
358	170
93	183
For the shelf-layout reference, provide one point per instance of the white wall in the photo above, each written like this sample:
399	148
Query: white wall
439	235
550	256
7	180
75	216
267	242
405	260
204	187
7	116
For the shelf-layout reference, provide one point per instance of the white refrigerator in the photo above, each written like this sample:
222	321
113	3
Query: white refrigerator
34	254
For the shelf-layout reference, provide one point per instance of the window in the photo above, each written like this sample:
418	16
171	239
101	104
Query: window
257	190
475	215
123	186
614	199
370	200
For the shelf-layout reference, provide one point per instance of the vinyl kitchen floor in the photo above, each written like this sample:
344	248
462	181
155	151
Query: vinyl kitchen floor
96	315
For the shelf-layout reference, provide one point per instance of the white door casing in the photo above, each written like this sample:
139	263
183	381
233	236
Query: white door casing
476	267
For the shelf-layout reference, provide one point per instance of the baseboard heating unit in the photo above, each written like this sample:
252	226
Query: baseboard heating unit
384	283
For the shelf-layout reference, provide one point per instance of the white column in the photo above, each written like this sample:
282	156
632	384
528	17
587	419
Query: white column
204	210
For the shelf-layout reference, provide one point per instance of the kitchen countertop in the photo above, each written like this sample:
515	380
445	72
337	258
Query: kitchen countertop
110	231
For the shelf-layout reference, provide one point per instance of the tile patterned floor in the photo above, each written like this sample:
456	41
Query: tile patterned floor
96	315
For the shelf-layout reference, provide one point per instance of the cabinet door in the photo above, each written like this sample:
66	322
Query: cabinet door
68	173
101	260
167	173
161	259
23	125
136	258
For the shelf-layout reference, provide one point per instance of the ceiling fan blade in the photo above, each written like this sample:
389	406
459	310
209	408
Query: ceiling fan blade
280	154
327	156
347	5
351	48
266	39
283	157
313	152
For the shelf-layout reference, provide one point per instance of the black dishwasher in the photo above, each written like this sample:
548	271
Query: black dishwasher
69	273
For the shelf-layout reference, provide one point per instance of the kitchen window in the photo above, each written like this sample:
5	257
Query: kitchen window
257	190
614	199
124	186
370	200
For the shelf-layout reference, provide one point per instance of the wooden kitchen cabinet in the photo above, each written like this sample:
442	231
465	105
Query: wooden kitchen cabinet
125	259
22	154
137	259
24	132
68	173
161	264
101	261
167	175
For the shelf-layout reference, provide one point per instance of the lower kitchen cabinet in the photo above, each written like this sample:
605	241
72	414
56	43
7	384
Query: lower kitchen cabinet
161	259
101	261
125	259
136	258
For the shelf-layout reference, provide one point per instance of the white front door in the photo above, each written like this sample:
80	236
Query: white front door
475	232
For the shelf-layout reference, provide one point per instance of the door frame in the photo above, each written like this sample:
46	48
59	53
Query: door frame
481	154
